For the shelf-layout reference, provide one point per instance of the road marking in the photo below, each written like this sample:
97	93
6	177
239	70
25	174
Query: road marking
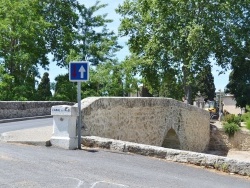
98	182
80	182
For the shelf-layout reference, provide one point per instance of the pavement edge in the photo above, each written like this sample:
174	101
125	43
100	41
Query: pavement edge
7	137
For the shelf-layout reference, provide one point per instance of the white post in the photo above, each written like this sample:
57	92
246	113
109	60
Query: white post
64	126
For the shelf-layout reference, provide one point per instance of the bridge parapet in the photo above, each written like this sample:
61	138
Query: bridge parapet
147	121
19	109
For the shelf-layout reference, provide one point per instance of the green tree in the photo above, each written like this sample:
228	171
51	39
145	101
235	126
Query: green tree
95	42
43	90
5	85
65	90
32	29
238	37
106	80
181	35
239	84
29	31
60	34
21	44
204	83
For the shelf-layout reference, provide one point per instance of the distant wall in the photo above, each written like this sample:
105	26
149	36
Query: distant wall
147	121
230	105
19	109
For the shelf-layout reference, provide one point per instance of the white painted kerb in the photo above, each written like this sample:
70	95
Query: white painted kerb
64	126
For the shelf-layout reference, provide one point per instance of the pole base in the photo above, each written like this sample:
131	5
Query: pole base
64	142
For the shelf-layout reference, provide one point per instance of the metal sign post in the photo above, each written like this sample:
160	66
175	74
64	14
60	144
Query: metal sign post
79	72
79	124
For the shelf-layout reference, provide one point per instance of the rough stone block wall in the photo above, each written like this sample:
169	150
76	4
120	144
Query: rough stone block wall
19	109
241	140
222	142
146	121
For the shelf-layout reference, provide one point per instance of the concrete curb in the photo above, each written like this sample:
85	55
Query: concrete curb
200	159
24	119
6	137
34	143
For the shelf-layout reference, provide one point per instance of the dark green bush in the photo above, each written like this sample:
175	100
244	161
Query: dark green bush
230	128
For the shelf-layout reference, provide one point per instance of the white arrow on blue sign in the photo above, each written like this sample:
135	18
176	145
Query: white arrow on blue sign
79	71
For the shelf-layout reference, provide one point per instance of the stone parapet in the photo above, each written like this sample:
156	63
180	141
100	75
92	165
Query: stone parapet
19	109
146	121
200	159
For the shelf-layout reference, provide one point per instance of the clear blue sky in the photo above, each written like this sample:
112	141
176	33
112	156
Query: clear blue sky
219	80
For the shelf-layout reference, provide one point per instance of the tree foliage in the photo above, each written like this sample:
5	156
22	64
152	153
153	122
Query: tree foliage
65	29
43	90
98	45
21	31
204	83
60	34
65	90
182	36
29	31
239	83
5	84
95	42
238	35
106	80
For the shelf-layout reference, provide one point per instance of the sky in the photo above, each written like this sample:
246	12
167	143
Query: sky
219	80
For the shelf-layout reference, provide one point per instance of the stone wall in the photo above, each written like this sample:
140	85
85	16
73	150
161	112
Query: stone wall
220	141
146	121
19	109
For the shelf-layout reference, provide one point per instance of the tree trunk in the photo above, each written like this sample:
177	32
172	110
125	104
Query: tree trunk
187	85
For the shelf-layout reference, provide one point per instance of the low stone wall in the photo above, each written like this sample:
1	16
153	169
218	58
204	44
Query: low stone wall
241	140
146	121
220	141
19	109
200	159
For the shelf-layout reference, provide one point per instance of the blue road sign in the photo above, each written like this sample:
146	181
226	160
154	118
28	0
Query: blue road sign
79	71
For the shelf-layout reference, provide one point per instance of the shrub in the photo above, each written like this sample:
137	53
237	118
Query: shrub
231	118
237	120
230	128
247	108
246	116
248	124
228	118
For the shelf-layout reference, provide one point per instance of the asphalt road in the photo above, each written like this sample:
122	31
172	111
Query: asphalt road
35	166
18	125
